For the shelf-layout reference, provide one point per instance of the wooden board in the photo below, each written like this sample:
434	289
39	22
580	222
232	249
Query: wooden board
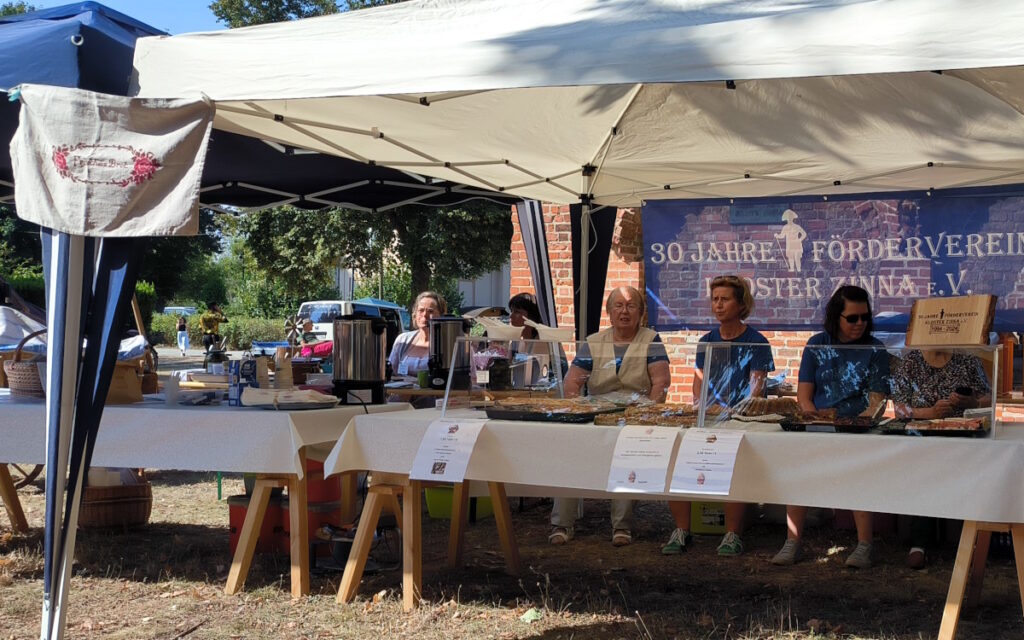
949	321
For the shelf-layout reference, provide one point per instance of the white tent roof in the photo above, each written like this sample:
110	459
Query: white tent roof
823	96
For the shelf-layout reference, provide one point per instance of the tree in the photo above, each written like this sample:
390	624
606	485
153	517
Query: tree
167	260
437	245
243	13
15	8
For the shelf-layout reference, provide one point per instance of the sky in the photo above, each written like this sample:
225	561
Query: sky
173	16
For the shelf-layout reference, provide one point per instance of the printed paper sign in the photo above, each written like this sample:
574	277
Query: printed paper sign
445	449
641	458
706	461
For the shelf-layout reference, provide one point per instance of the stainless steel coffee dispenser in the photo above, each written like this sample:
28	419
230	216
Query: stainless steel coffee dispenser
443	333
360	344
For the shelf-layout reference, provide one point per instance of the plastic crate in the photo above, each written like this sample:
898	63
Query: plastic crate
439	504
271	529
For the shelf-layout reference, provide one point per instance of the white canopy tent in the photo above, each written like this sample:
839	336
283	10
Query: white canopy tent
619	101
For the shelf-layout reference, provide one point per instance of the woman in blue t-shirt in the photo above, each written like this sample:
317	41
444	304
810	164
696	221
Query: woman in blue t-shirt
854	381
733	373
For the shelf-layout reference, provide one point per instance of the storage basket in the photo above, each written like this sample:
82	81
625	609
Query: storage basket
119	506
23	377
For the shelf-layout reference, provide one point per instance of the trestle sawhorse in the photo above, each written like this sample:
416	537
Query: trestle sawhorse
969	569
411	523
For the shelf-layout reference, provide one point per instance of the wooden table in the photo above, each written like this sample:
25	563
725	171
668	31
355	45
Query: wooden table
273	444
772	467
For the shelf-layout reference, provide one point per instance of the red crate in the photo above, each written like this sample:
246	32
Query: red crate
318	514
318	488
270	530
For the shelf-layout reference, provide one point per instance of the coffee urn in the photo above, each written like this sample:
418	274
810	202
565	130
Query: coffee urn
444	331
360	342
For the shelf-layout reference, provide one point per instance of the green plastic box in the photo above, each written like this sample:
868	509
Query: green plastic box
439	504
707	517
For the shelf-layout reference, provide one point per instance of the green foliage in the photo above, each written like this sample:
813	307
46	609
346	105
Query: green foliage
436	245
169	262
262	292
396	289
203	280
146	295
242	13
15	8
241	331
31	287
19	245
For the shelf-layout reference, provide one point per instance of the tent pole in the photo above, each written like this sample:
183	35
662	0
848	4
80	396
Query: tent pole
589	173
64	317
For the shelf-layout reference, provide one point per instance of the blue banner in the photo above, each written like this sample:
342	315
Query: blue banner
796	252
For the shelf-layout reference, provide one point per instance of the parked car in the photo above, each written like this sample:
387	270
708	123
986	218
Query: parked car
180	311
323	312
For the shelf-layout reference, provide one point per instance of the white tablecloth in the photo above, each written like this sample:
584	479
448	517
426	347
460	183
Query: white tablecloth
965	478
216	438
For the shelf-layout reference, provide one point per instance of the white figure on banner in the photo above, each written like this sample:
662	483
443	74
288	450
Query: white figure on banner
794	235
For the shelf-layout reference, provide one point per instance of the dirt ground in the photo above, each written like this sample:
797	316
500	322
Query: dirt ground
165	580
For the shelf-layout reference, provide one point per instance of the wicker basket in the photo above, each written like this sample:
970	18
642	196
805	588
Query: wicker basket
23	377
119	506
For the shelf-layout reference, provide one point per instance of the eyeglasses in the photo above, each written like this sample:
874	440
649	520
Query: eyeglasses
854	318
618	306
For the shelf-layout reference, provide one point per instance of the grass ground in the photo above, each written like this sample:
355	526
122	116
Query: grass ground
165	581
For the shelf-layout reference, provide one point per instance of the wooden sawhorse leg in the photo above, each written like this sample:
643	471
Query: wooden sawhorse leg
298	537
502	520
11	501
970	564
378	498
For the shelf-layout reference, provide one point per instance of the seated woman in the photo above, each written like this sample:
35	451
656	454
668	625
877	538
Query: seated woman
411	352
625	358
935	384
523	307
850	381
733	374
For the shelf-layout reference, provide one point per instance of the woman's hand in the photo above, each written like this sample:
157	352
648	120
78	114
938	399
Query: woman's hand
942	409
963	401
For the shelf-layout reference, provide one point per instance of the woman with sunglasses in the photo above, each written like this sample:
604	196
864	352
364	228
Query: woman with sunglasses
853	381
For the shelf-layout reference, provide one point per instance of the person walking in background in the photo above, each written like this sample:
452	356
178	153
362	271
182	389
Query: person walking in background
210	323
182	335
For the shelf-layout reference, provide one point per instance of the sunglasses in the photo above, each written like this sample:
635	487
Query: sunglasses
854	318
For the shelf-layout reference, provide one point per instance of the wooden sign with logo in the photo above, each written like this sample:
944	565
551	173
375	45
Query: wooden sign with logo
955	320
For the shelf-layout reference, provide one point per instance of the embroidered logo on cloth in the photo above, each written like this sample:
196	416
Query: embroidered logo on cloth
111	164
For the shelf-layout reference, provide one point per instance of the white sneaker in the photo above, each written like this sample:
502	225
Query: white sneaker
788	554
861	556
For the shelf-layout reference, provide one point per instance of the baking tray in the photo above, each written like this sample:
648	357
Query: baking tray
498	413
826	427
899	428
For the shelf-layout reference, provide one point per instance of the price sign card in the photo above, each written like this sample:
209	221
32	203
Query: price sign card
641	458
706	461
445	449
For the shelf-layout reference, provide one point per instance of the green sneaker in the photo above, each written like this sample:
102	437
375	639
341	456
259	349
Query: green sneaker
677	542
731	545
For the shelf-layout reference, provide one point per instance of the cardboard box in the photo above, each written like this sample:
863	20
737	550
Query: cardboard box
951	321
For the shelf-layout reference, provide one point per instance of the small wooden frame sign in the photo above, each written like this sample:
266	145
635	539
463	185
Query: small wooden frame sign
959	320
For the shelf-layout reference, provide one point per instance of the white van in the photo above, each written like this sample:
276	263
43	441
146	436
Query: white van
323	313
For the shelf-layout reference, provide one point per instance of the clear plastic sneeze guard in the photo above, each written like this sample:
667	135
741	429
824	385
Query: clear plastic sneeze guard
864	388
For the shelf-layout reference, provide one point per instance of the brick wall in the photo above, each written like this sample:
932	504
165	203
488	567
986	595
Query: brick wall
625	267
